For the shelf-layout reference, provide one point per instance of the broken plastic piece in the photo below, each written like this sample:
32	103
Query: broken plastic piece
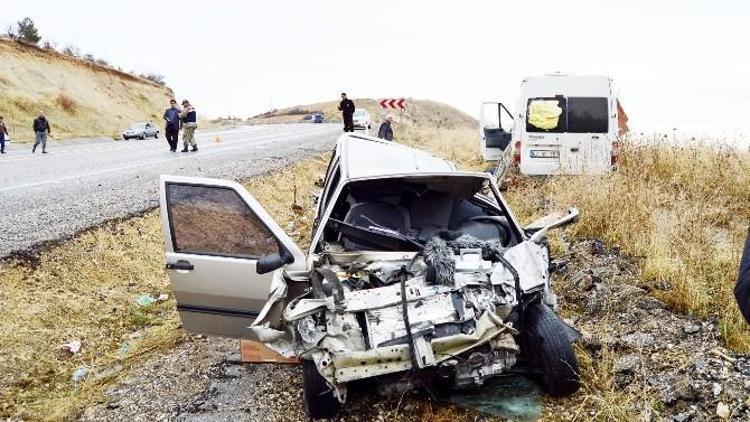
80	373
72	347
145	300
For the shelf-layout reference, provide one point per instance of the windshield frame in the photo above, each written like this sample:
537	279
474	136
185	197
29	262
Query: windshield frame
496	201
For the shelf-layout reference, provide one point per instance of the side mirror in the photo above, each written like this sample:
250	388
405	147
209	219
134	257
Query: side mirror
269	263
541	226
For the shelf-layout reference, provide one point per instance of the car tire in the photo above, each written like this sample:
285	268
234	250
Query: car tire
548	347
318	396
156	135
143	136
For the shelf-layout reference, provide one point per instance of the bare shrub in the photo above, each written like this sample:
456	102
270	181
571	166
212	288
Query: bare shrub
71	50
49	45
154	77
67	103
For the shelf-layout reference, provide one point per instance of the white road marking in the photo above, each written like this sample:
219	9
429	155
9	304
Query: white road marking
216	150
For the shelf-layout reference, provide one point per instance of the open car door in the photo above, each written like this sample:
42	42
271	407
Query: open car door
495	138
222	250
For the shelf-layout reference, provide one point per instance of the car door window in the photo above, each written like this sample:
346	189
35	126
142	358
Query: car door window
211	220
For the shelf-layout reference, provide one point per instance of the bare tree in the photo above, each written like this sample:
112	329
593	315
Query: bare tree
10	32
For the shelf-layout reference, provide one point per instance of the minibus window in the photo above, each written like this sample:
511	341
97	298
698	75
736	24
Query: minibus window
587	115
546	114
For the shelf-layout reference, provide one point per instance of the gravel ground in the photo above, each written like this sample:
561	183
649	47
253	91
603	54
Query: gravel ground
676	360
86	182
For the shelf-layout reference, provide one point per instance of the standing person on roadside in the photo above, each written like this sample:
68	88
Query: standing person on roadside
386	130
189	123
172	128
3	134
742	290
41	131
346	107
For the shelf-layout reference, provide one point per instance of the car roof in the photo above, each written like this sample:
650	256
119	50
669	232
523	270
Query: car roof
365	156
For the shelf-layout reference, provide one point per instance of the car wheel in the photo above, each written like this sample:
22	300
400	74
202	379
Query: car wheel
143	136
318	396
156	135
548	347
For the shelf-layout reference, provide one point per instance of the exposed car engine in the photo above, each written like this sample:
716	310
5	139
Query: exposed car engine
458	294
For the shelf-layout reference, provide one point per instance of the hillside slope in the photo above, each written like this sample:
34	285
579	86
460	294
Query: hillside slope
424	112
80	98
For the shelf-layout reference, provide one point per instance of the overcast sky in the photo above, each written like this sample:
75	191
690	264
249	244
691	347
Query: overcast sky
678	64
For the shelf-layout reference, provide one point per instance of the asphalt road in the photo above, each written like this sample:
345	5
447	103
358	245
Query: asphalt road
79	184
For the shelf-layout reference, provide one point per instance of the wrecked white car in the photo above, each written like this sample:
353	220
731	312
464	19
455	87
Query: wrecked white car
418	276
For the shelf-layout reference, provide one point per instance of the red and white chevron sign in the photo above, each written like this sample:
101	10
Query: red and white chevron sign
394	103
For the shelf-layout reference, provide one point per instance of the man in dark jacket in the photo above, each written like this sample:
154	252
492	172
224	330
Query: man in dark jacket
3	134
346	107
41	131
742	290
172	129
386	130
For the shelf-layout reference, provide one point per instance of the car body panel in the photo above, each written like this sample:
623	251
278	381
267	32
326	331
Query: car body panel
219	292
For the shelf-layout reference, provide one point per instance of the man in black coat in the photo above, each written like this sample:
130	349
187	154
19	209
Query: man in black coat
742	290
346	107
41	131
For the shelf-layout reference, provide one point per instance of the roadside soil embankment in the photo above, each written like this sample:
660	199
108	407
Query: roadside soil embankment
80	98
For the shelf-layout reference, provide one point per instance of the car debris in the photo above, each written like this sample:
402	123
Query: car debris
71	348
418	276
146	300
79	374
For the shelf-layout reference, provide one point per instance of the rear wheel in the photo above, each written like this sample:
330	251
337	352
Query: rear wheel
548	347
156	135
318	396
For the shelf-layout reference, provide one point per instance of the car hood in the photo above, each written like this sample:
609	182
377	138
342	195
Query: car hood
527	260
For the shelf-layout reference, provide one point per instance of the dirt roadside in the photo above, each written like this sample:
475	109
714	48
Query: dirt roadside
644	362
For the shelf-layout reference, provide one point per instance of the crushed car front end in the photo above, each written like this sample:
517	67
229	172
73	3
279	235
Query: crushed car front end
414	299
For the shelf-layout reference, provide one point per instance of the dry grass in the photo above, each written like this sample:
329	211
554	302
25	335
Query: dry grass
83	290
86	290
78	97
681	211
